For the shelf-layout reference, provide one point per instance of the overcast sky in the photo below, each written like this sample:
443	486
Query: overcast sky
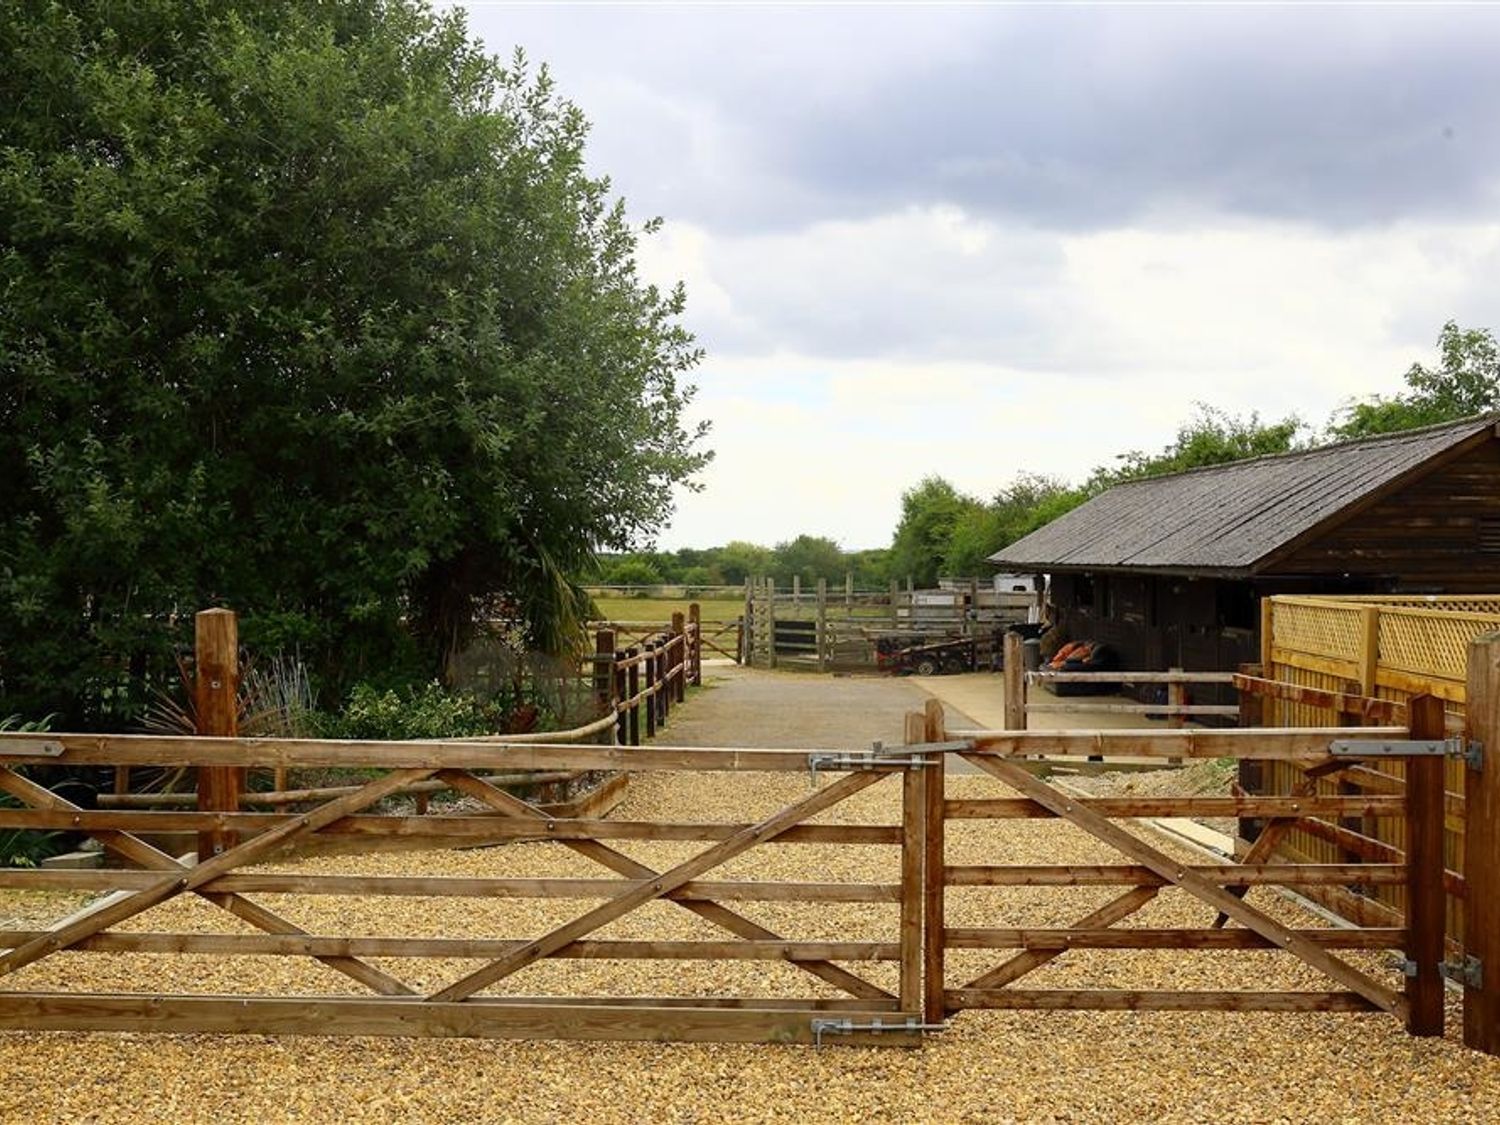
977	240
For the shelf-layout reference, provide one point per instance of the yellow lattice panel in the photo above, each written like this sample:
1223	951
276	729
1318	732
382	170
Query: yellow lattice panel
1311	625
1427	642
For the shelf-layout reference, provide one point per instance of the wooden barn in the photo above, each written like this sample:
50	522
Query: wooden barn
1170	570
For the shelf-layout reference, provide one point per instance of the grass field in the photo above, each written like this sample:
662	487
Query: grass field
661	609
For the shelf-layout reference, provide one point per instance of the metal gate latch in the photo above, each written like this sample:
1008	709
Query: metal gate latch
880	754
821	1028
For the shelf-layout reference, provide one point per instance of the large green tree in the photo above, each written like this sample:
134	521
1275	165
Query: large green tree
311	308
1465	381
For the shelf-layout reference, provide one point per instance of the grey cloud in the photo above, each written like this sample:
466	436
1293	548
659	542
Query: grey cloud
1070	118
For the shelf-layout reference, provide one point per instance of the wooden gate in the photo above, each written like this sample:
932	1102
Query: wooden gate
1149	869
428	983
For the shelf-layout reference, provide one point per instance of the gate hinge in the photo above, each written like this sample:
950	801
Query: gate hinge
1471	751
1408	967
821	1027
1468	972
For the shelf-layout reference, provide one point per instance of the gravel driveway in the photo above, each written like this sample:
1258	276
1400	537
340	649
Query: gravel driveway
988	1067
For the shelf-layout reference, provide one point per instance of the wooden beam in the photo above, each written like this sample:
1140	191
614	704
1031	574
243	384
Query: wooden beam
1426	900
1224	874
534	1019
1307	745
1021	808
1178	875
713	912
176	883
216	683
933	883
1022	963
1062	940
668	881
1482	846
1112	1000
140	852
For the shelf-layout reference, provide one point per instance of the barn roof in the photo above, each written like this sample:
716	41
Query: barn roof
1230	518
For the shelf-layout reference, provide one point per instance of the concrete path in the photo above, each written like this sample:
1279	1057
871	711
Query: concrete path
752	707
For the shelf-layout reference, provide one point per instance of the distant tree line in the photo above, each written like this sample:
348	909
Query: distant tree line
944	532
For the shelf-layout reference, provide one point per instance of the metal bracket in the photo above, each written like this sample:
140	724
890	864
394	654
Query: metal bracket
1471	752
30	748
1408	967
824	1027
1469	972
880	754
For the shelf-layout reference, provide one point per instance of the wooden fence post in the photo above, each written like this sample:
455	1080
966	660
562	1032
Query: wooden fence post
680	637
934	875
796	589
770	622
913	854
695	623
1251	771
746	640
1015	682
604	670
895	601
622	693
633	680
1482	846
848	589
822	626
648	667
216	695
1426	898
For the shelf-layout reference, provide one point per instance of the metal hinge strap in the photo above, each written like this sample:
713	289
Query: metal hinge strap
822	1027
1472	752
1468	972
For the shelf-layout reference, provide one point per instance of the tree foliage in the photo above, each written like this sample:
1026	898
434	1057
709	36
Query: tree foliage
1466	381
1208	437
311	309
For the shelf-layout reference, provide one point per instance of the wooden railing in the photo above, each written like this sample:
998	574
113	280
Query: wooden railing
640	684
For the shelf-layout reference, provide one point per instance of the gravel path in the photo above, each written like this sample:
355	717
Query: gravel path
989	1067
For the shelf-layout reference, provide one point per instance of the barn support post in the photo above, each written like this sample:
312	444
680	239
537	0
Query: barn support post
822	627
216	681
604	671
1015	682
695	626
1482	848
1426	898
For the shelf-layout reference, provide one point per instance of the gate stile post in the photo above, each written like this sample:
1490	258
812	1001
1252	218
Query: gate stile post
1426	898
1015	682
1482	847
216	694
913	853
934	875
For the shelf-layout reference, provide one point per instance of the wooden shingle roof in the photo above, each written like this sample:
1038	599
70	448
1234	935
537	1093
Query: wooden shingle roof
1229	518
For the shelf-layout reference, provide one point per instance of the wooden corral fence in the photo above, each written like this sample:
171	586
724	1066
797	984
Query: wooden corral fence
1353	661
829	629
640	684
